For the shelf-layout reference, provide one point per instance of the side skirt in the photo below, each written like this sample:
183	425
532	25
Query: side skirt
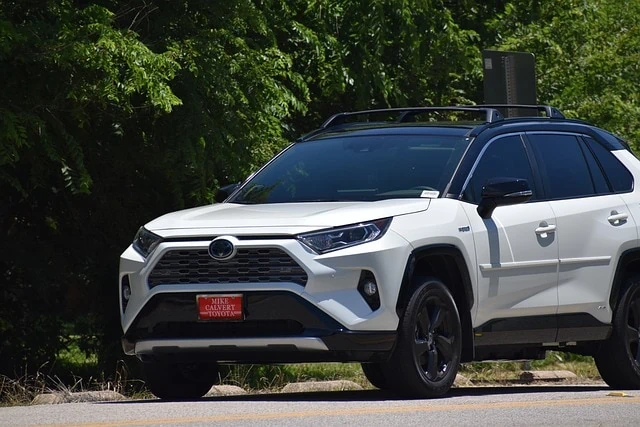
551	329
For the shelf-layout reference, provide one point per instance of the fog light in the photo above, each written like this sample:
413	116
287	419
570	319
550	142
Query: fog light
370	289
125	292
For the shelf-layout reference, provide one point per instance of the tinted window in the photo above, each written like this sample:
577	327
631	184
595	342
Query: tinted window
619	177
504	157
599	180
563	166
372	167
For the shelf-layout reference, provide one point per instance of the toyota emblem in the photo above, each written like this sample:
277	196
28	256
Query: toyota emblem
221	249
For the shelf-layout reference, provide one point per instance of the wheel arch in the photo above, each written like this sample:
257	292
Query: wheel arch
447	263
628	266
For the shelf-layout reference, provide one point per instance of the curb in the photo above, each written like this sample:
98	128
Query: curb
80	397
309	386
547	376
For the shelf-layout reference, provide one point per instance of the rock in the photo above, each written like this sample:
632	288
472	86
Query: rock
462	381
338	385
48	399
94	396
531	376
225	390
84	396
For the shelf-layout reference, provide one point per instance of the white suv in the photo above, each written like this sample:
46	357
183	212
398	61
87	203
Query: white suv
406	243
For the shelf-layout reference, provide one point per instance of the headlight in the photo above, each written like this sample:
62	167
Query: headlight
145	242
345	237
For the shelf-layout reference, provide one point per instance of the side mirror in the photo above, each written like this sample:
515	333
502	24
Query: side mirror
224	192
503	192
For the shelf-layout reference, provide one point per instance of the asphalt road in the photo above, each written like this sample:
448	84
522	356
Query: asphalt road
478	406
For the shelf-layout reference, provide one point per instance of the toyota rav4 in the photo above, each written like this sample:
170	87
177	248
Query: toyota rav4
409	240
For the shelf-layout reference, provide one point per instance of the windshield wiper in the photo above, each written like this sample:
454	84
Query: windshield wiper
325	200
244	202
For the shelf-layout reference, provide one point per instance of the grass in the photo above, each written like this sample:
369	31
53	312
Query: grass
495	372
20	391
75	371
273	377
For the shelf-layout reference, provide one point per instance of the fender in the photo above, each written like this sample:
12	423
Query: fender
464	293
629	262
436	250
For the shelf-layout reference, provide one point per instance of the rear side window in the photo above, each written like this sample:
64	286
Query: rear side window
599	181
563	165
619	177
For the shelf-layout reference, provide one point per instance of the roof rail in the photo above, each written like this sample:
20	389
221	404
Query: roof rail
491	114
549	111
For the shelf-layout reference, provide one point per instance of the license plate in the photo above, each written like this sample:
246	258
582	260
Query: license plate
220	307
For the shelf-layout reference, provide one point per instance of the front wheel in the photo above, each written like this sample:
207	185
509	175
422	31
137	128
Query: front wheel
618	359
375	374
179	381
427	354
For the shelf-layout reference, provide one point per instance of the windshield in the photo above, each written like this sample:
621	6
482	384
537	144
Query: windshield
357	168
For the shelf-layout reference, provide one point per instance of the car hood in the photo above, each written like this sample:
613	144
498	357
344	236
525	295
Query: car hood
299	216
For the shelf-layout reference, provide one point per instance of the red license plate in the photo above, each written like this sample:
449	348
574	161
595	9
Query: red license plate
220	307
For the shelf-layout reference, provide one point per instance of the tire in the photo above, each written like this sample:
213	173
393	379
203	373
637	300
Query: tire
179	381
427	354
375	374
618	359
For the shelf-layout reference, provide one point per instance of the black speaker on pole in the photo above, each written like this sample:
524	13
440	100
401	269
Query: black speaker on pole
509	78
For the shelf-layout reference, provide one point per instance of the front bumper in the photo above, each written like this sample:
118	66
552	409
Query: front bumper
278	327
324	319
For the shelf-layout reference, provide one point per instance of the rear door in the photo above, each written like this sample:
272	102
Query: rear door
592	224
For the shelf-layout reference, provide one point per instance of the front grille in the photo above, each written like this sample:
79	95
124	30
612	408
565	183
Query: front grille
192	266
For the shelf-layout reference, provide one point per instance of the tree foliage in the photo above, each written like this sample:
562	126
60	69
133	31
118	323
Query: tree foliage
113	112
587	54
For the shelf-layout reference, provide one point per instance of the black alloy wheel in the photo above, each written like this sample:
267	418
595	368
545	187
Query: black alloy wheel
633	330
618	359
434	337
427	355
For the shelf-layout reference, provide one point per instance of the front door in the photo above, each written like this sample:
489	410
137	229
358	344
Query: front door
516	252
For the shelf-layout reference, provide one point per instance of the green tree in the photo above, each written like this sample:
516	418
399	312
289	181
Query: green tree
587	54
363	54
113	112
69	79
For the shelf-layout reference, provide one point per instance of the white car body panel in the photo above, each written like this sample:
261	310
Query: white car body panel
517	268
589	247
440	225
632	199
311	215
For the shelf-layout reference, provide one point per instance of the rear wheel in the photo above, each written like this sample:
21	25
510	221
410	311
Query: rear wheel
179	381
427	354
618	359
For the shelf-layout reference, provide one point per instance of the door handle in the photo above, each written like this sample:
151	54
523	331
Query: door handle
617	218
544	229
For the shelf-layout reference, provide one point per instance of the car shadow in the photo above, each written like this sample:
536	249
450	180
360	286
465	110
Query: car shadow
379	395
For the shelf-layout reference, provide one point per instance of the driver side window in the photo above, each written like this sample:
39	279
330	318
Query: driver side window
504	157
